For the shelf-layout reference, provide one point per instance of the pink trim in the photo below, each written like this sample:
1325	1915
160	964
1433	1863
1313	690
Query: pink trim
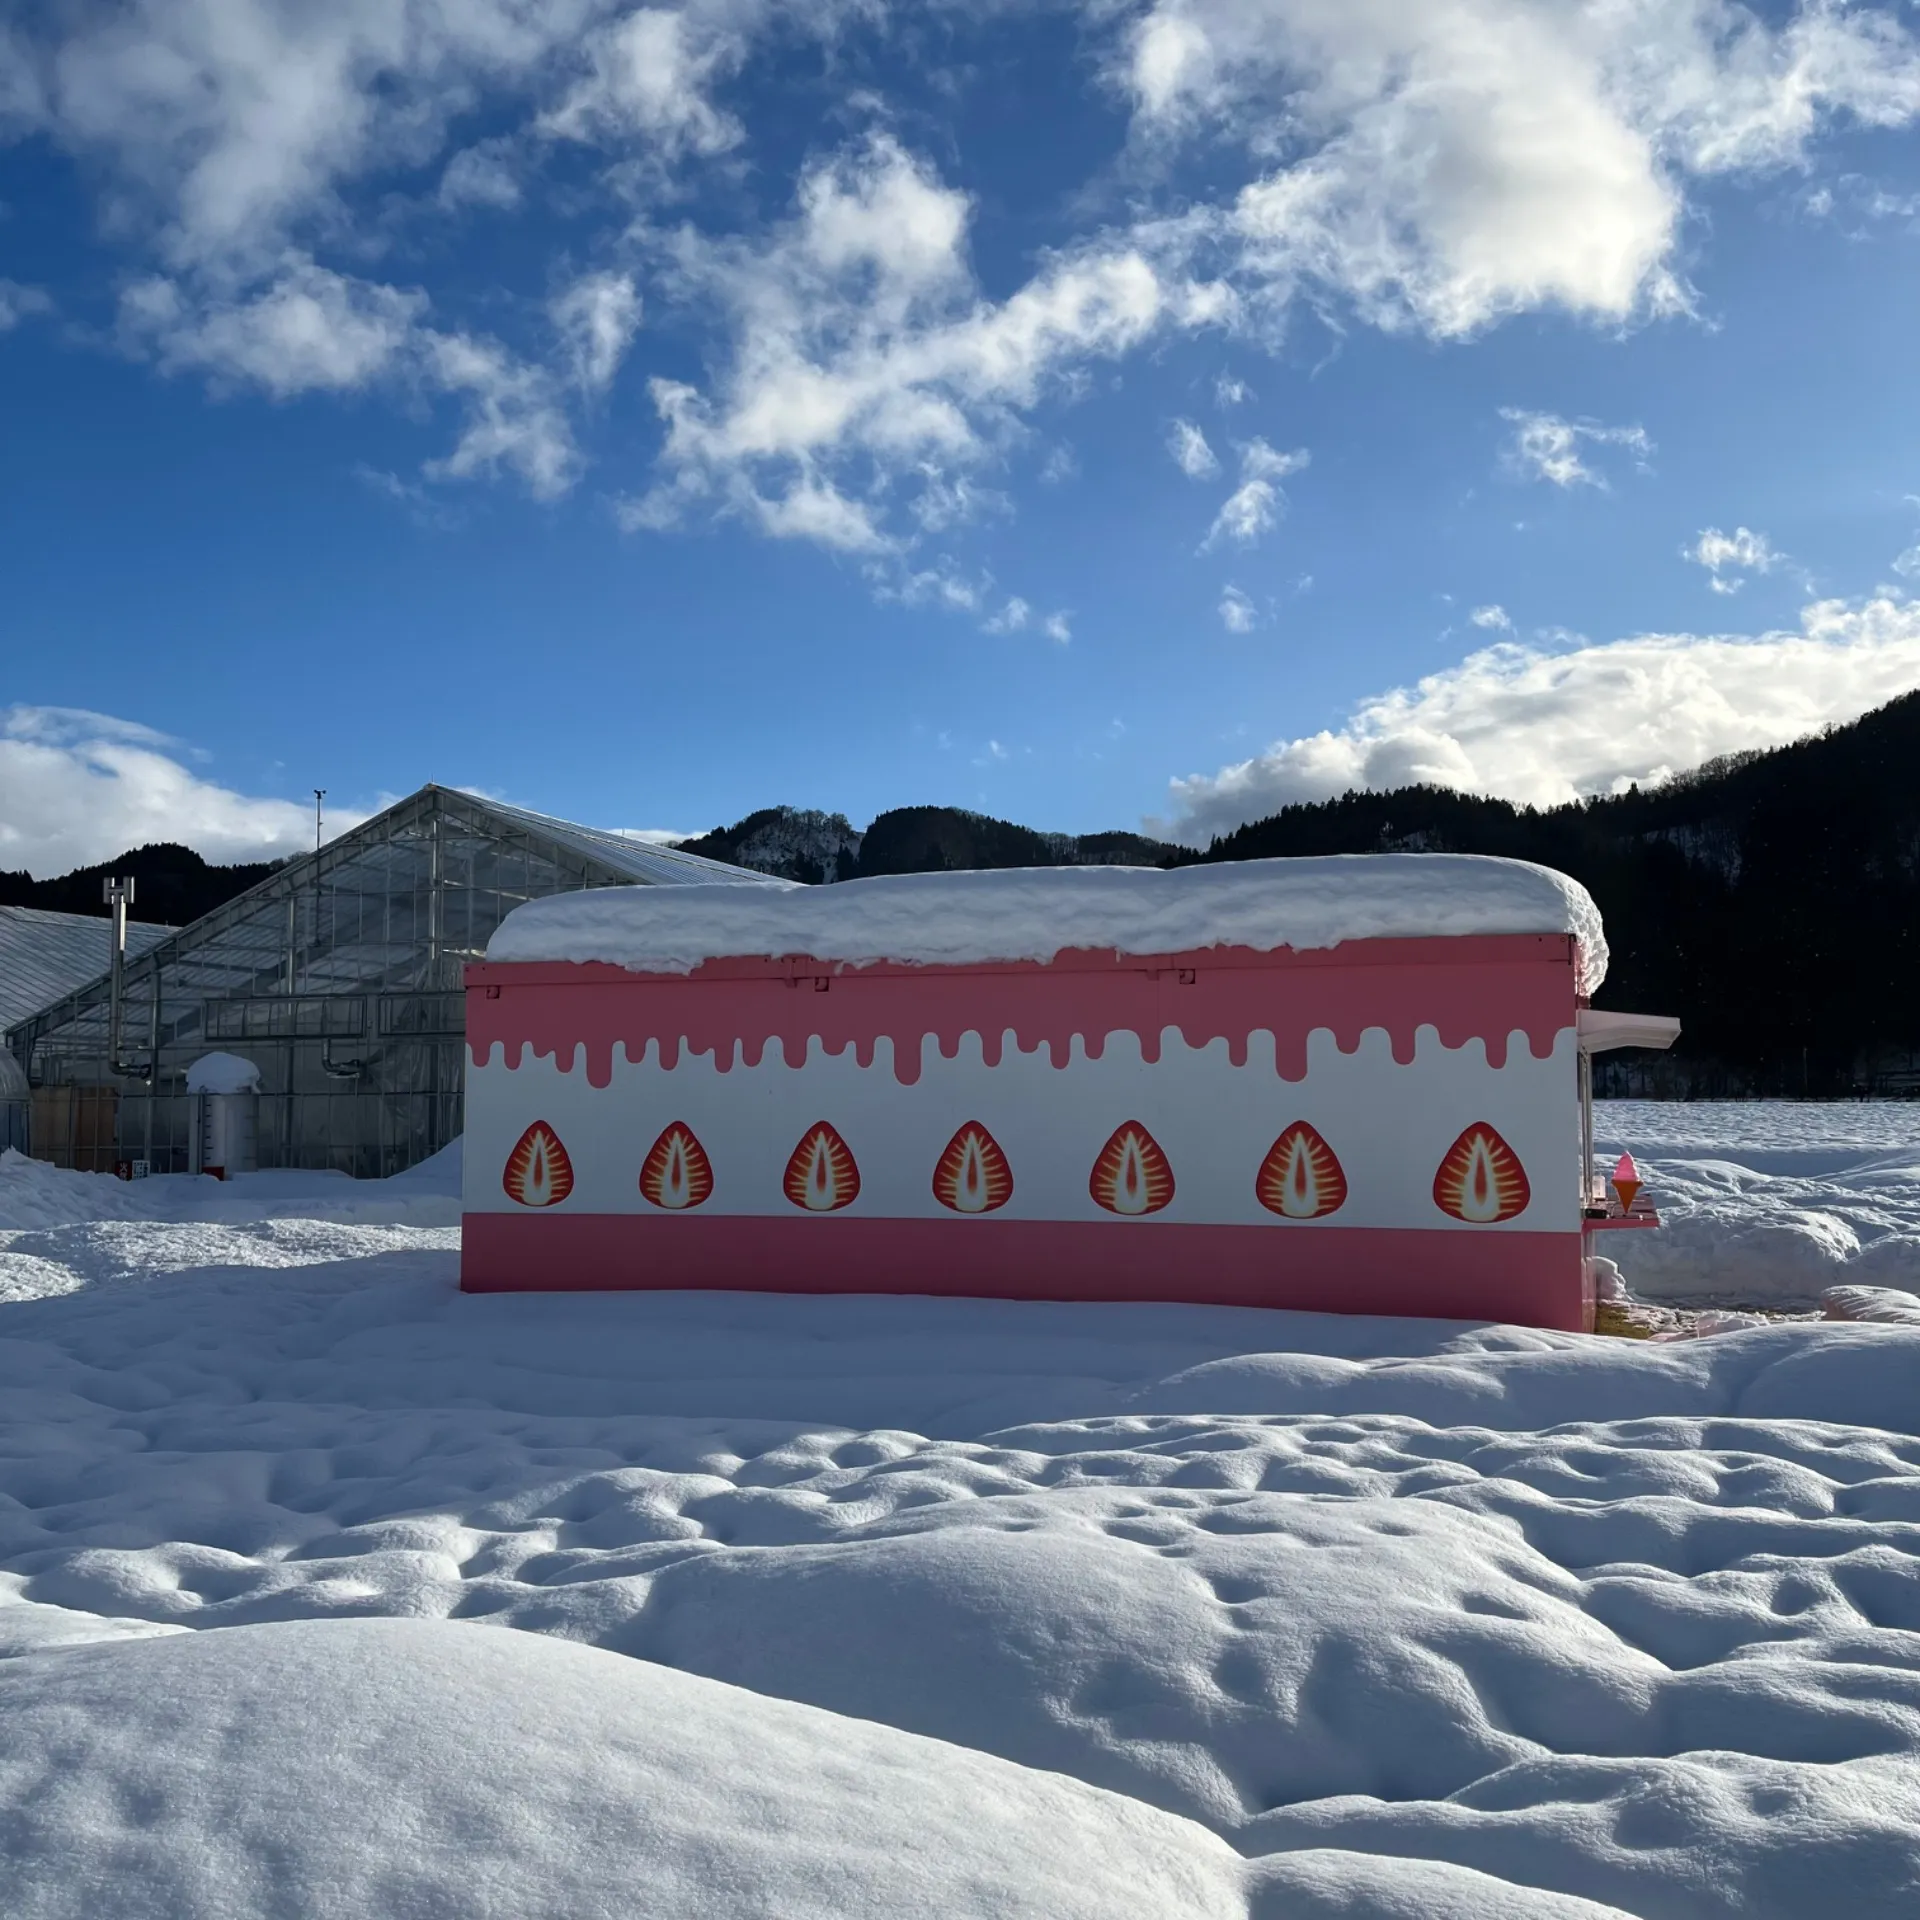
1482	988
1528	1279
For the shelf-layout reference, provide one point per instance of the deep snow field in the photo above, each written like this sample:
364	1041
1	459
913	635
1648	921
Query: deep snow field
1766	1203
676	1606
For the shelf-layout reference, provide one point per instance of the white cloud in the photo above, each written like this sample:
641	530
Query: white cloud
514	417
1545	447
239	124
863	359
649	75
1012	618
814	509
1494	619
484	175
1434	166
596	318
1237	612
1255	506
1229	392
238	127
1258	461
1541	728
18	303
945	500
1057	628
311	330
1248	512
1059	466
1908	563
77	788
1457	161
1191	454
314	330
655	836
1730	557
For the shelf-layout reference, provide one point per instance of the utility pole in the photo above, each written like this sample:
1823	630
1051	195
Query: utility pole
118	894
319	794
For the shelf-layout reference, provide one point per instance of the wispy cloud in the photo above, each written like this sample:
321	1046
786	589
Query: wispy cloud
596	318
1730	557
1255	506
1191	454
1542	446
865	365
1237	611
19	303
1494	619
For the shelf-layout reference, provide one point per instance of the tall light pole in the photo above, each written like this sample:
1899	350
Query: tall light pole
118	894
319	794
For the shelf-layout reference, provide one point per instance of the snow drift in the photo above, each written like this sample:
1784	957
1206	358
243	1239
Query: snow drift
325	1589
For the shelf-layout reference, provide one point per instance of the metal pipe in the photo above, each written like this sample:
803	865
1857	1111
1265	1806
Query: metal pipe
153	1054
1587	1193
118	895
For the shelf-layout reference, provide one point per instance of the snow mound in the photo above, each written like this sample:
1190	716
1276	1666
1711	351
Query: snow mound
374	1768
965	919
1889	1305
35	1196
1769	1203
223	1073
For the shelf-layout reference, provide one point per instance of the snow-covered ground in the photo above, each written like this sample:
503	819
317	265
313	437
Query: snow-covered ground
1769	1202
678	1606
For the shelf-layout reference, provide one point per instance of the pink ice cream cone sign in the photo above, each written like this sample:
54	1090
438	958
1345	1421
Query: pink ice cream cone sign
1626	1181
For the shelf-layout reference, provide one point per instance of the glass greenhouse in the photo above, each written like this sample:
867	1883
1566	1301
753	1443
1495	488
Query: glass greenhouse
339	978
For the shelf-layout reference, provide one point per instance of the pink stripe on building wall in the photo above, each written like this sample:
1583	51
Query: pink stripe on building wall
1532	1279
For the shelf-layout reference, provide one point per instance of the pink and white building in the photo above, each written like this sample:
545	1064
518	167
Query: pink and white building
1351	1085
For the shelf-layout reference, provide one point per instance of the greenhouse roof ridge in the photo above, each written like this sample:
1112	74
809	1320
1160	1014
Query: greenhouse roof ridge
598	857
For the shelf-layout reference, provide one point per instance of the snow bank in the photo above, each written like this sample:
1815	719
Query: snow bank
410	1767
34	1195
959	919
1889	1305
223	1073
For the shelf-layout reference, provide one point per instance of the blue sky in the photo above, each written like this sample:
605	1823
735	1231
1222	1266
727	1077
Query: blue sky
1091	412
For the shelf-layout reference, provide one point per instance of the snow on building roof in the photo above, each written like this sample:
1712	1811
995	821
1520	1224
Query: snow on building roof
45	956
964	919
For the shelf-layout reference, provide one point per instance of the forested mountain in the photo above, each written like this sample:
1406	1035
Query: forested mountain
1771	900
172	885
799	844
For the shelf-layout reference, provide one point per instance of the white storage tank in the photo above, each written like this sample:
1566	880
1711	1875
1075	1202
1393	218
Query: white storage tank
225	1138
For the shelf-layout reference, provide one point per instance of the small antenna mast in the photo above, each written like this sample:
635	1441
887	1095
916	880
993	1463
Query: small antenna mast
319	794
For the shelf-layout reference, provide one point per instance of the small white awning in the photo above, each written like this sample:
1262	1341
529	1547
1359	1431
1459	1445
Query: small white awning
1603	1032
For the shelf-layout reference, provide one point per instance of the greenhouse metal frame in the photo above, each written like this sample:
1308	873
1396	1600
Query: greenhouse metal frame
339	977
